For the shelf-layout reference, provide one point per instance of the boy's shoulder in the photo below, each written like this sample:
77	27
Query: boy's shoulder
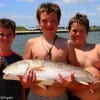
69	41
32	40
98	45
94	46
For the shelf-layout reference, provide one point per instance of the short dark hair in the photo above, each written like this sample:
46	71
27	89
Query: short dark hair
80	19
48	7
7	23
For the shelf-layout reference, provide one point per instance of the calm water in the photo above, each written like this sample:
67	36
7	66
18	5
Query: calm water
20	40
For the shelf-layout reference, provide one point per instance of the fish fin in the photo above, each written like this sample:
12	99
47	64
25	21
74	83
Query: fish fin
49	82
43	84
39	68
92	90
84	83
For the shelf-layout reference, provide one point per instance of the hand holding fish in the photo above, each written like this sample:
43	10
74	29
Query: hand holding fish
29	79
64	81
70	83
96	73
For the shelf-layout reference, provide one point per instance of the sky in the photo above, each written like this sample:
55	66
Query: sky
23	12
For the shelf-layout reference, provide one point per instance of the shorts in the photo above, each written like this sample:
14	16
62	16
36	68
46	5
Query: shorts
33	96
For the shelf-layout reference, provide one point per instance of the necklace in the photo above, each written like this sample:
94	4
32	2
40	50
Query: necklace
49	55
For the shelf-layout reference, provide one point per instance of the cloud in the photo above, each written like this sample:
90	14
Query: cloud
98	8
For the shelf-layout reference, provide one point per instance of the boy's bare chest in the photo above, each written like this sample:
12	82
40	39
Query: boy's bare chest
87	58
44	53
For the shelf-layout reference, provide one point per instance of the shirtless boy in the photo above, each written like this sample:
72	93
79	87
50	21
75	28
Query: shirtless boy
88	55
48	46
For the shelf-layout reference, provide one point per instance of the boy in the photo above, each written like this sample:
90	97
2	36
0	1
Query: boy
88	55
8	89
48	46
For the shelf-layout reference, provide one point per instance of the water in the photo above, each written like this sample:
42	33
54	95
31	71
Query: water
20	40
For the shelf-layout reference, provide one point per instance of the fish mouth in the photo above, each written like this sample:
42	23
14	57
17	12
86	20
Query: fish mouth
10	77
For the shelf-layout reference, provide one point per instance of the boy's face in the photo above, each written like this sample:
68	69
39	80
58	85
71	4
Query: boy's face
6	37
49	23
78	33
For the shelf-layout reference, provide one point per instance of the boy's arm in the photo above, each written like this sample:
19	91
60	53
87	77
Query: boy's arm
28	50
71	54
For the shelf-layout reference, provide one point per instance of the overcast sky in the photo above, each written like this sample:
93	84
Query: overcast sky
23	11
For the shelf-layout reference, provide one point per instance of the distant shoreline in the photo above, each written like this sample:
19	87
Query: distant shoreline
39	31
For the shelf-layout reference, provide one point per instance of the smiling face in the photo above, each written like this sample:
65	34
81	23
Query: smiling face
78	34
49	23
6	38
78	29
